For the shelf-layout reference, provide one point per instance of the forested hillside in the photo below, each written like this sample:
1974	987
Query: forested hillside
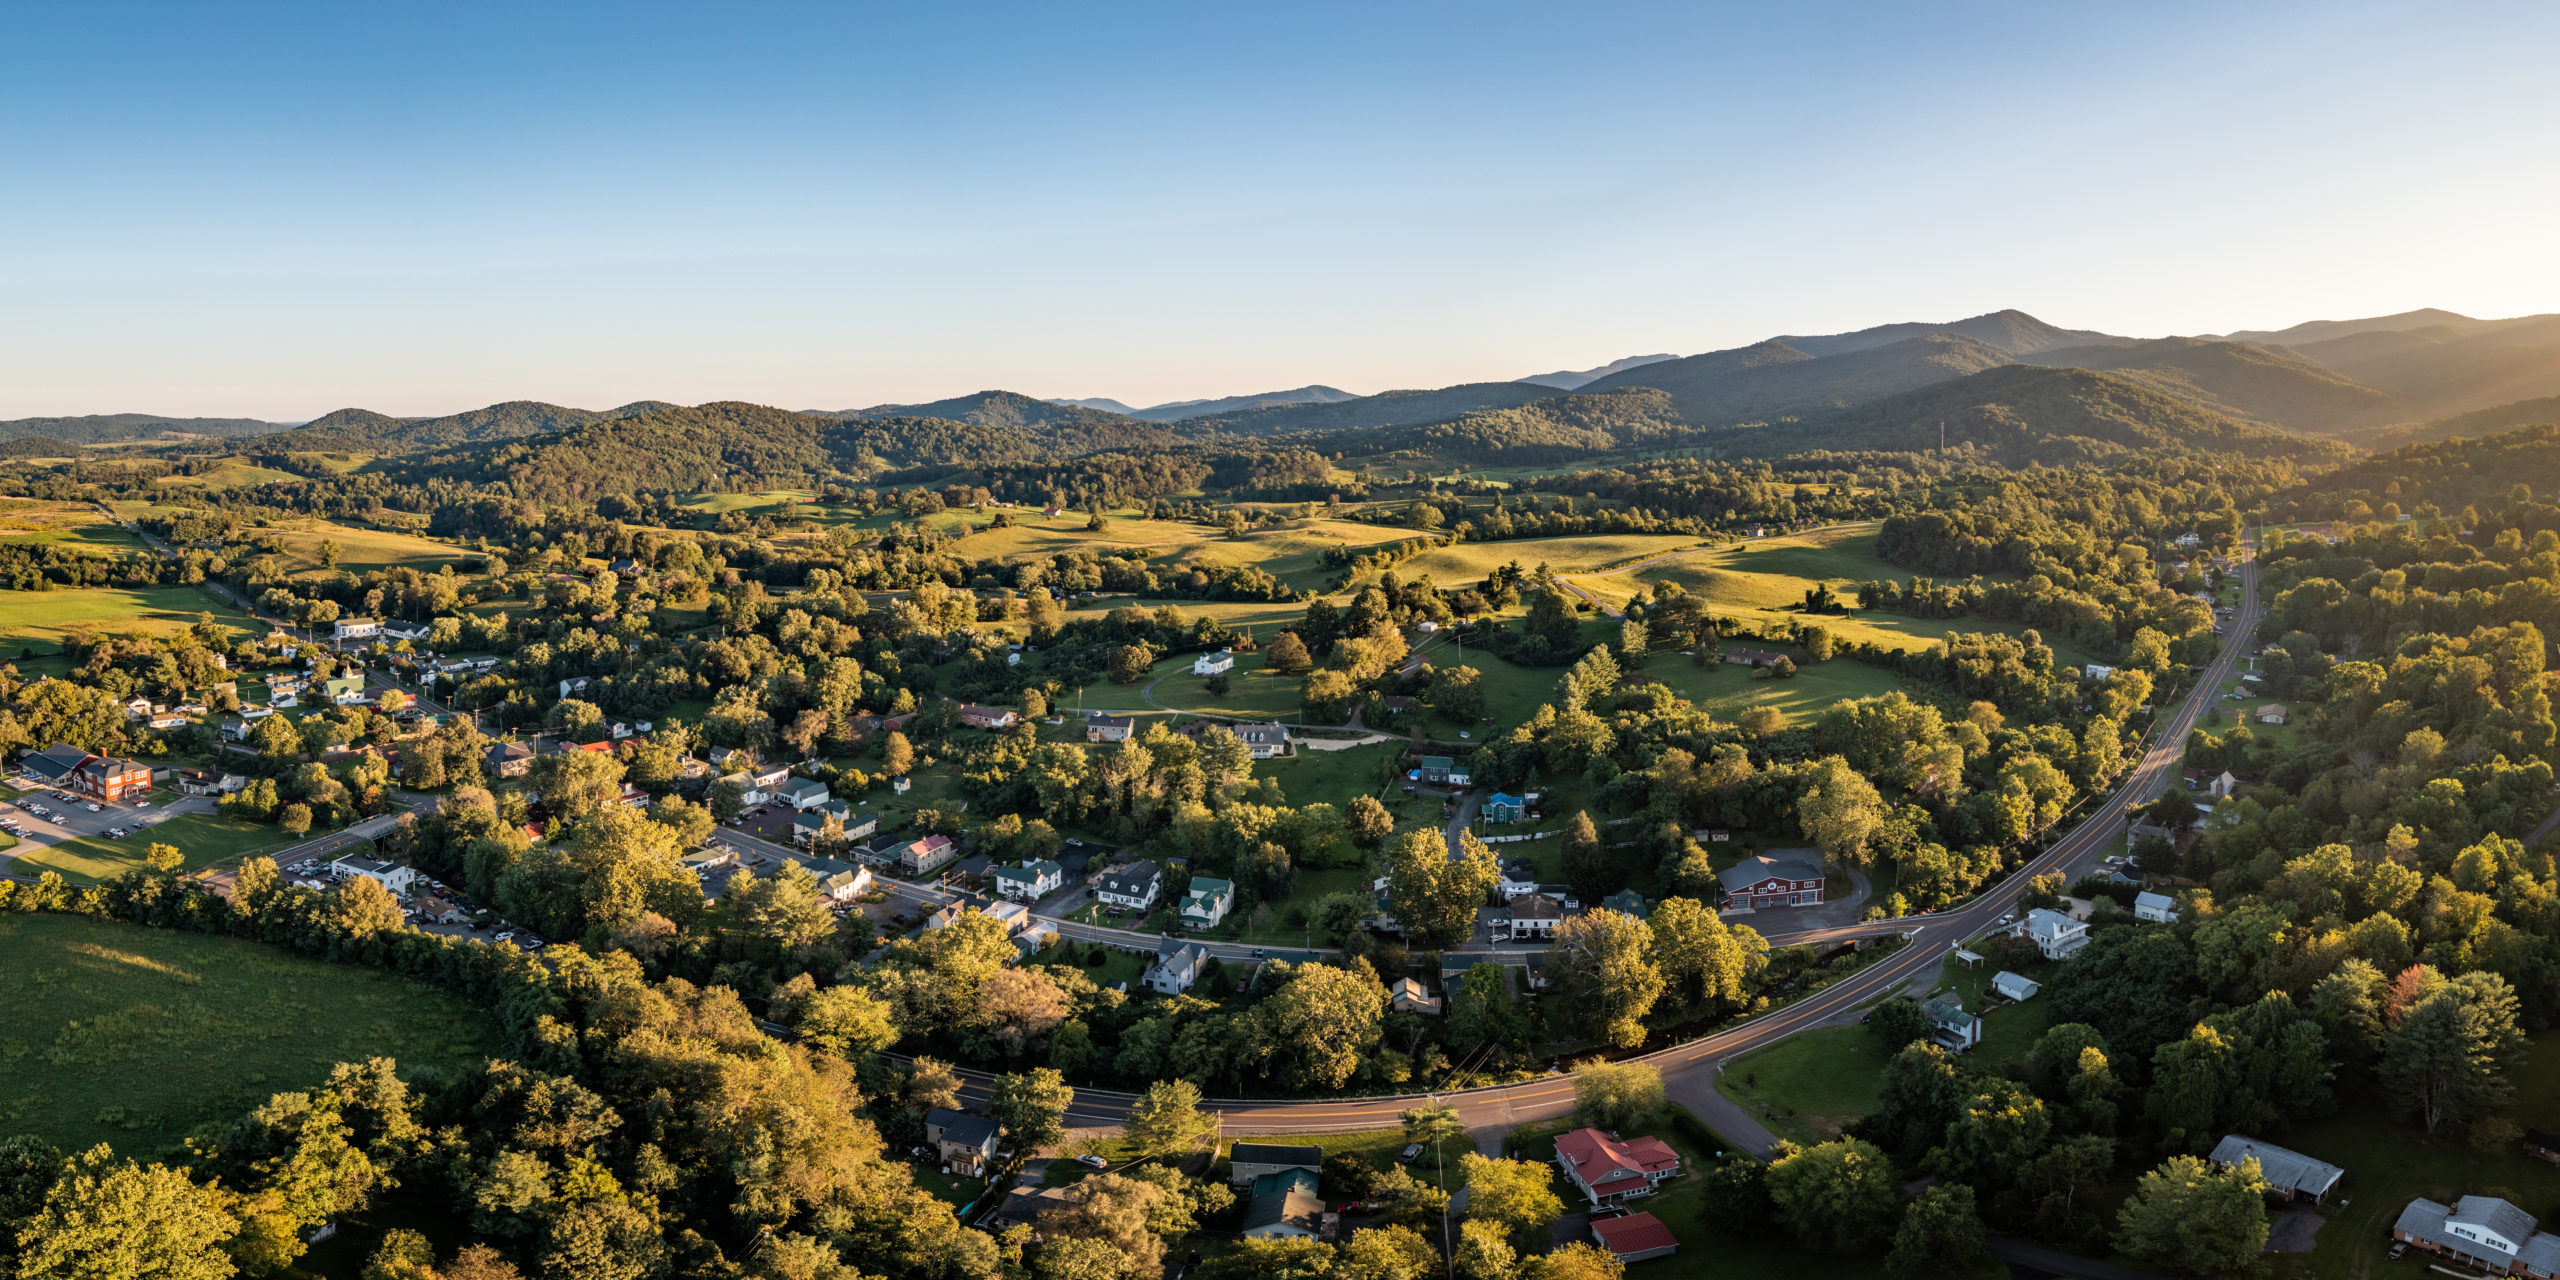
1000	410
364	431
1386	409
2012	331
2446	475
1725	388
2022	414
2241	380
119	428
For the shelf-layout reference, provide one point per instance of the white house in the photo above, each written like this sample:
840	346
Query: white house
1211	664
2155	908
1033	880
803	794
1207	902
1518	877
1949	1024
1177	966
573	685
2015	986
1535	915
390	875
2097	671
2058	936
358	628
1133	887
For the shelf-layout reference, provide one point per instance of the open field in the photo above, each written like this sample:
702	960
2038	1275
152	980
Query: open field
363	549
232	474
40	619
1469	562
1810	1085
74	525
206	839
1293	554
136	1036
1725	691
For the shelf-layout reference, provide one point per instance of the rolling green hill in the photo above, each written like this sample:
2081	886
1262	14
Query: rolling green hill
124	428
1002	410
364	431
1386	409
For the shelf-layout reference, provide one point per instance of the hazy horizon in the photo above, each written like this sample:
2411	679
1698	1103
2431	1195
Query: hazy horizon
278	213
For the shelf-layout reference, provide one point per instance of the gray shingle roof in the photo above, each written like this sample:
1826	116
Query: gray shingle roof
1788	864
2495	1214
2284	1170
1296	1208
962	1127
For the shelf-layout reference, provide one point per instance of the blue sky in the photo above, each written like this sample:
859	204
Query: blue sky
278	210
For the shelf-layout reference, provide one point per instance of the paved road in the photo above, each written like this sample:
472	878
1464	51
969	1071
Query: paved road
1689	1069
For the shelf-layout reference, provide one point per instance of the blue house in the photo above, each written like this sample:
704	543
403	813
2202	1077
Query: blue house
1502	806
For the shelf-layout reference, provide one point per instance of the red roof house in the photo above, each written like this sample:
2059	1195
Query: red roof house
1610	1170
1635	1237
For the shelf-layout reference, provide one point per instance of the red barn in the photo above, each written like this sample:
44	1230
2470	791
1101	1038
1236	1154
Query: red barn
1786	878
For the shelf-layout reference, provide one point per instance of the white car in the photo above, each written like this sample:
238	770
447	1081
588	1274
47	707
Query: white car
97	808
1093	1162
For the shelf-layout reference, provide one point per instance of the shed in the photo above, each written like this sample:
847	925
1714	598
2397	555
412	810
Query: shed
1635	1237
2015	986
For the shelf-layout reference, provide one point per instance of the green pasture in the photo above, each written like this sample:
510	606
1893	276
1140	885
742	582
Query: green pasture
136	1037
40	620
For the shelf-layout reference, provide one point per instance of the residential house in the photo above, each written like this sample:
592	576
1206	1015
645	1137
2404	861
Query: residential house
1030	881
1949	1024
413	632
1779	878
1502	806
1752	657
1404	995
1023	1206
769	778
2215	785
2542	1144
358	628
165	720
1518	877
1284	1213
709	858
1177	965
921	857
1012	915
346	691
208	782
626	568
2057	935
2015	986
965	1142
901	784
978	717
2273	713
2096	671
1626	902
1100	728
137	708
2483	1233
2155	908
507	759
1207	902
1535	915
1609	1170
1247	1161
841	881
2290	1175
1441	771
803	794
1133	887
573	686
1265	741
945	917
236	728
1635	1237
390	875
1213	664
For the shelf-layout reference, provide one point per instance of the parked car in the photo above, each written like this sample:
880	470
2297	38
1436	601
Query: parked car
1410	1154
1093	1162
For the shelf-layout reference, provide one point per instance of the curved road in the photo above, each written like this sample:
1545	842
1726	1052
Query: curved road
1689	1069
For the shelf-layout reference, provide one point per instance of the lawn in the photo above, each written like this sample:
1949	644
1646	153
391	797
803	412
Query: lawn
1117	965
1725	690
363	549
1764	581
40	620
206	839
2390	1162
1293	553
1810	1085
76	526
136	1036
1333	777
230	475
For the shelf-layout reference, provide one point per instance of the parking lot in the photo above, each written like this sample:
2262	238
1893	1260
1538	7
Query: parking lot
39	816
